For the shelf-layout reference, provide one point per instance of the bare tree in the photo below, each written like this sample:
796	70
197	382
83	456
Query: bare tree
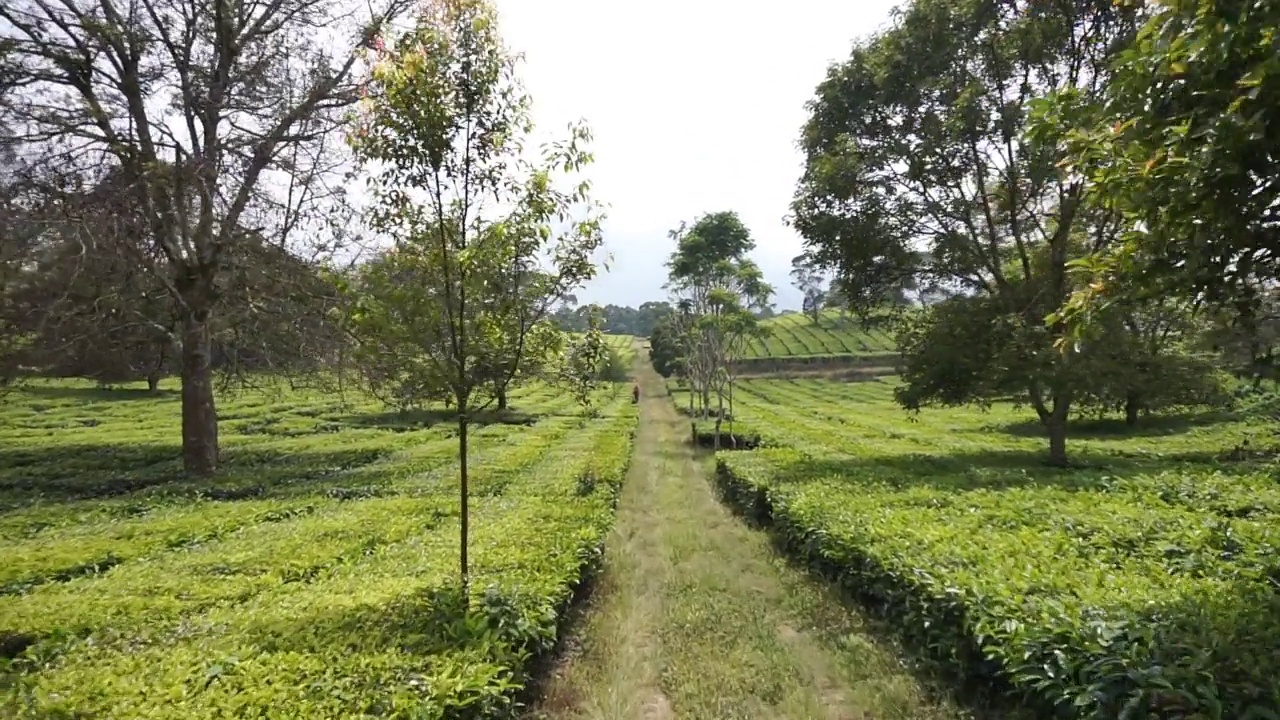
221	116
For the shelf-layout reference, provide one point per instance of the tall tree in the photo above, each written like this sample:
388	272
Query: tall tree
810	279
484	242
216	115
919	170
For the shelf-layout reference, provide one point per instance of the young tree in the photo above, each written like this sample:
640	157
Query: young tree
919	170
580	370
214	116
476	263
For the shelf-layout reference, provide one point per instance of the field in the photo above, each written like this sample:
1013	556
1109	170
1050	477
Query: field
313	577
1144	582
624	346
795	336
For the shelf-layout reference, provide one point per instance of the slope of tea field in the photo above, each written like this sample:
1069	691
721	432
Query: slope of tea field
313	577
1144	582
796	336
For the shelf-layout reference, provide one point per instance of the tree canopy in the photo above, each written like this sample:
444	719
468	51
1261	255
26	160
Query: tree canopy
1183	146
924	170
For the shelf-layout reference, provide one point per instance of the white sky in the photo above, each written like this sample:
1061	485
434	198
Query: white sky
696	106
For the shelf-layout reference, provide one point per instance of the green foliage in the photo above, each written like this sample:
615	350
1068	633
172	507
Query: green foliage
584	364
808	277
313	578
1138	587
614	368
1184	145
979	349
667	347
615	319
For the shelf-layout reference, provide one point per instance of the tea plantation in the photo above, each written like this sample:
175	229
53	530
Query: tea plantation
834	335
1144	582
314	576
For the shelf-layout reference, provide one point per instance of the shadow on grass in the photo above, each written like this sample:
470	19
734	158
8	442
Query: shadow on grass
407	420
71	472
95	394
1103	428
958	471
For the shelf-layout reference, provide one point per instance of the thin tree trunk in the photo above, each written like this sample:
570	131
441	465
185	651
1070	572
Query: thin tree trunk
199	415
719	418
1132	404
463	495
502	399
157	370
731	408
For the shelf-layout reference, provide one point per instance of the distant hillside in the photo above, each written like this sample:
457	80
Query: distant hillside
795	336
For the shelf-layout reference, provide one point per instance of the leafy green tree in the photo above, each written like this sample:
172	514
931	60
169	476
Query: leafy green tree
810	279
717	288
919	172
666	347
476	263
1184	145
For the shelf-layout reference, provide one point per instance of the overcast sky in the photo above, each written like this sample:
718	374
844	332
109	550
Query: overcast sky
696	106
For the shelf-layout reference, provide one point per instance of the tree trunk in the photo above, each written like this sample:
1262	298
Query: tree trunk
199	415
1056	423
157	370
1057	442
502	399
719	419
1132	405
731	408
463	494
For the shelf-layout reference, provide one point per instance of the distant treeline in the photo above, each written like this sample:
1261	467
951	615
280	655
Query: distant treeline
623	319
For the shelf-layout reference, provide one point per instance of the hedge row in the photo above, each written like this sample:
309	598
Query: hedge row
1157	598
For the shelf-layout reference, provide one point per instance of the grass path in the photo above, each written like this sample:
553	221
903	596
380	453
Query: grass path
696	616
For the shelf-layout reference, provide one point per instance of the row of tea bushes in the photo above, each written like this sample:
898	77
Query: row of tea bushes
1138	601
314	605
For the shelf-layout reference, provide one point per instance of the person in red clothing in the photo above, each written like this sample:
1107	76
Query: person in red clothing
635	394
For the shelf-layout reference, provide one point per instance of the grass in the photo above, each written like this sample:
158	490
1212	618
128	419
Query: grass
796	336
312	577
697	616
1144	576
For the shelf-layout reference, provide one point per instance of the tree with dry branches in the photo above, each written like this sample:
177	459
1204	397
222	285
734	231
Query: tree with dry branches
220	120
